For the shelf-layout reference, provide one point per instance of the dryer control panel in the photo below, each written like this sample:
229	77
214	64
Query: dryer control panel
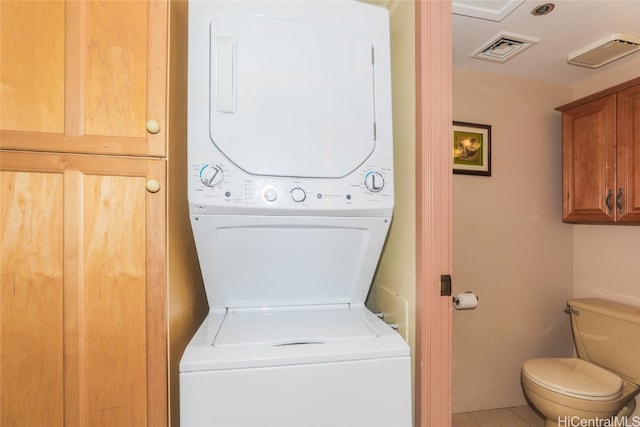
289	109
216	185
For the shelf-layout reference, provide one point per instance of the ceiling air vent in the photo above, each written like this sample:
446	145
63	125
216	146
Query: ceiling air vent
604	51
503	47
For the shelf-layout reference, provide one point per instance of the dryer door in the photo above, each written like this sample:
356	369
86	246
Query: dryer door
291	98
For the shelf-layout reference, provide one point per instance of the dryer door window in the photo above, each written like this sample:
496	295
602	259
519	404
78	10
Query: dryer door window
291	98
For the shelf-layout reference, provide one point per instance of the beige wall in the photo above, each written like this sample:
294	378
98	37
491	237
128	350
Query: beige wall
509	243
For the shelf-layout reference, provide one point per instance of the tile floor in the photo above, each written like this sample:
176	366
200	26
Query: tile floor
520	416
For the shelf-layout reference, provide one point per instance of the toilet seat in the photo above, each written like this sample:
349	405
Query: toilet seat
574	377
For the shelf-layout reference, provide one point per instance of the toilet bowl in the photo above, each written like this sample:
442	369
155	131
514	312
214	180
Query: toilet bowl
603	381
565	388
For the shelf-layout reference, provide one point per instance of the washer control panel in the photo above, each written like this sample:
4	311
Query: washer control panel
217	185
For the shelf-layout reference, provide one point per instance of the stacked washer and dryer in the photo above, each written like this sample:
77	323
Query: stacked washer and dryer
291	197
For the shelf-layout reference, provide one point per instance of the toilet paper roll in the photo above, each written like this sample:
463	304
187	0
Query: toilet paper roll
465	301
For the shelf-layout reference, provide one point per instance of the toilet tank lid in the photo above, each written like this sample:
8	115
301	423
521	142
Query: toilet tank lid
574	377
608	308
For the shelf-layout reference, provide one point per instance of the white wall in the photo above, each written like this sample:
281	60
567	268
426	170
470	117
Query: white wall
509	243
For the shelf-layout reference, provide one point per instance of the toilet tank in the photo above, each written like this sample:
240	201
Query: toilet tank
607	334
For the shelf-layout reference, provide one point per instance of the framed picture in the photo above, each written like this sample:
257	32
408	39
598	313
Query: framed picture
471	149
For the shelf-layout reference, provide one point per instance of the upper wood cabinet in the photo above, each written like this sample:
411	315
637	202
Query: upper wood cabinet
84	76
601	157
628	146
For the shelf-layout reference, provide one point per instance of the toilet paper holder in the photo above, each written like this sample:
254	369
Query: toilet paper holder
465	301
455	297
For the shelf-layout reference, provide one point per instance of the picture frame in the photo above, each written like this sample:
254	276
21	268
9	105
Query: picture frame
471	149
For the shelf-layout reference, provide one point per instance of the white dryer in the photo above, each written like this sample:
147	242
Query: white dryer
291	196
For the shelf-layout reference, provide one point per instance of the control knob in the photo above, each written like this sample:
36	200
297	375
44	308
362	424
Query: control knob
211	175
270	194
374	181
298	194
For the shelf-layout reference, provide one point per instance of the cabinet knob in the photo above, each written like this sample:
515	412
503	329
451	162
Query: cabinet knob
153	185
153	126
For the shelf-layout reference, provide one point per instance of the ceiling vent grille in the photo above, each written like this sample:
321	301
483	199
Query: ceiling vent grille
604	51
503	47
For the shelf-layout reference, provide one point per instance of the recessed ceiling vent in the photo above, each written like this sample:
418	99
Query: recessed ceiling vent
604	51
503	47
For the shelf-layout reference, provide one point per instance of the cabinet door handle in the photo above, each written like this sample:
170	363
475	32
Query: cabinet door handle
153	126
619	201
607	201
153	185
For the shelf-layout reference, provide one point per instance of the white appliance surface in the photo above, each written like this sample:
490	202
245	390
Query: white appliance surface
290	191
289	108
291	327
363	393
258	261
336	366
240	339
261	113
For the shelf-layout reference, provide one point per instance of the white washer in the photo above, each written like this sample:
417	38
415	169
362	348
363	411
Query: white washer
291	195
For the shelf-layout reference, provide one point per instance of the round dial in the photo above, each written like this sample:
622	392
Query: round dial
374	181
211	175
270	194
298	194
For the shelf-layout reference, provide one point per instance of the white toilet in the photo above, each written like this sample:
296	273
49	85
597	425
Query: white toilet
603	381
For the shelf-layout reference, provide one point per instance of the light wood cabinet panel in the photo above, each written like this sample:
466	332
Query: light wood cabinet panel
32	66
31	299
114	288
87	331
84	76
116	68
83	281
601	156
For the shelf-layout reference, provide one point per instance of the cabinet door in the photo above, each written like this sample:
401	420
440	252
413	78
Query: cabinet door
628	167
31	298
83	76
83	291
589	161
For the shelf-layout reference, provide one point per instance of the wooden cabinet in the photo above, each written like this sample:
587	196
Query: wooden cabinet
100	288
82	292
83	76
628	155
601	157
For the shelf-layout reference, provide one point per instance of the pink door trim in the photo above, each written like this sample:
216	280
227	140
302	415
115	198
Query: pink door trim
433	216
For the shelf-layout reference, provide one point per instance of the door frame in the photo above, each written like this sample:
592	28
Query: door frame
433	389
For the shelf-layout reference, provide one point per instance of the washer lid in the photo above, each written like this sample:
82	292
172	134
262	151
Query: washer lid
574	377
352	333
283	328
290	97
